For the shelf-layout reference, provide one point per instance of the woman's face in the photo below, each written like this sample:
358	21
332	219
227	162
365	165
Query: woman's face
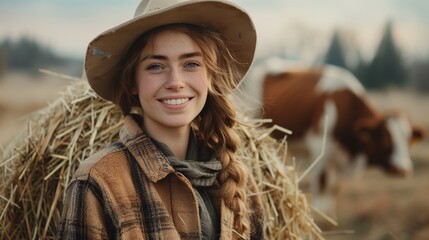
171	81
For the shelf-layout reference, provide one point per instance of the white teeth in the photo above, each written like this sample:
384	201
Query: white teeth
175	101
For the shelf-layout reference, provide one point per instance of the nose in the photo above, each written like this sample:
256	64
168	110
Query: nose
401	172
176	80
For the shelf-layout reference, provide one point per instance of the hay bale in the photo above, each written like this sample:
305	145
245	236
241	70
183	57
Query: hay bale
36	168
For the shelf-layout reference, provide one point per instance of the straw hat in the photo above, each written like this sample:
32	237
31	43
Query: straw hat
107	49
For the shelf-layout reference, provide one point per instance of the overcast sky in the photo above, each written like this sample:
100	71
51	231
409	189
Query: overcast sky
301	28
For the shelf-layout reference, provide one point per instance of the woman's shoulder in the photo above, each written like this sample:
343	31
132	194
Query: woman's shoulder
104	160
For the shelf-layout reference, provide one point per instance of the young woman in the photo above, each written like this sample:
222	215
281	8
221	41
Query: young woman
174	174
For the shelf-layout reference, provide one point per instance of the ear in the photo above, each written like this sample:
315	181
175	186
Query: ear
364	128
417	135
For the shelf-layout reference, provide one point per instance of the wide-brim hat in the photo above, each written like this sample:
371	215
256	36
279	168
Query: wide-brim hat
106	51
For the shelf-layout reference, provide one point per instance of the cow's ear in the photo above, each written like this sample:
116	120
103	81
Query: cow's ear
417	135
364	128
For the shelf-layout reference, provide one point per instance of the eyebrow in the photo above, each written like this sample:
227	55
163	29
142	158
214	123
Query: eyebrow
182	56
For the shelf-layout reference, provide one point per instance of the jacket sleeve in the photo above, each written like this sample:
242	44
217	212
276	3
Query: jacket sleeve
256	217
82	216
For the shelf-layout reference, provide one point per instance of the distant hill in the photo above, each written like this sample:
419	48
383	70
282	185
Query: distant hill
28	55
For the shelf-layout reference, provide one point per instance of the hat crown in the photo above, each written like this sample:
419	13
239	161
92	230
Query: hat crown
148	6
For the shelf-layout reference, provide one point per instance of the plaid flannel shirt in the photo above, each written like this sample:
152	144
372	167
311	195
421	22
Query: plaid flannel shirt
130	191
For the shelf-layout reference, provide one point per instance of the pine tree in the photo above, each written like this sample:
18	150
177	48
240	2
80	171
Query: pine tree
335	53
361	71
387	67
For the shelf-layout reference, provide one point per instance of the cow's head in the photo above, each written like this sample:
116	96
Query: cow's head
386	141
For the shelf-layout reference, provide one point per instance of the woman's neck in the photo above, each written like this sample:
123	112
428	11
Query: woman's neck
175	138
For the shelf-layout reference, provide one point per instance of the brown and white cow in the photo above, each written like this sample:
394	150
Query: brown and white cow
298	98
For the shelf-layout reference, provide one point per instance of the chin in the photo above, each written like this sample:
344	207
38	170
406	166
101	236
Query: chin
177	123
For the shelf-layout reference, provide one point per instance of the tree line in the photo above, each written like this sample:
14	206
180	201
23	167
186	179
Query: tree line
386	69
28	55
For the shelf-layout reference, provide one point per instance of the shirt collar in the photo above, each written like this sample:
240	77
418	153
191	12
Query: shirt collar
152	161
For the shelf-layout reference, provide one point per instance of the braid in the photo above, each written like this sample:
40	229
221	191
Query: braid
217	127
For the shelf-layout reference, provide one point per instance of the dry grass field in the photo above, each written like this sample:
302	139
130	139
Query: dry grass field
21	94
374	206
371	206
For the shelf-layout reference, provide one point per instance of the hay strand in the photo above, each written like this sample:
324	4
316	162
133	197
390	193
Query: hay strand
322	153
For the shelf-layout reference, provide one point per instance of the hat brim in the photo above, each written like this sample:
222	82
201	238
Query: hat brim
106	50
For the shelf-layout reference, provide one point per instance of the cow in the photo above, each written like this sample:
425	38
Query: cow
329	102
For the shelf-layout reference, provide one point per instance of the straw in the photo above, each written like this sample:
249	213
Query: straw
288	215
37	165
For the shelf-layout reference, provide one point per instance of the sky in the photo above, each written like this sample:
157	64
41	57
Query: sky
297	28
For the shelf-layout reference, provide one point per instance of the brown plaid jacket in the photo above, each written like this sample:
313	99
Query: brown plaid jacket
130	191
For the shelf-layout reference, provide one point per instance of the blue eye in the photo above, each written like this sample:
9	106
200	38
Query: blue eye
192	65
153	67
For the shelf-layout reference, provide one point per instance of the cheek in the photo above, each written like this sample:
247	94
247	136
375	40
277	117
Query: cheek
205	88
199	82
143	85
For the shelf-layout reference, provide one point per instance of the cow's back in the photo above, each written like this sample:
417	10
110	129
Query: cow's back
290	99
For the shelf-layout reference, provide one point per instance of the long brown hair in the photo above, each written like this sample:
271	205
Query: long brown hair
214	125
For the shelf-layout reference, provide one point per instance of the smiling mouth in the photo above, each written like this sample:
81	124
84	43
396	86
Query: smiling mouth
175	101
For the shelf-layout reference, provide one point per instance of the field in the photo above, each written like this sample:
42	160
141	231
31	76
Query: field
21	94
375	206
371	206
